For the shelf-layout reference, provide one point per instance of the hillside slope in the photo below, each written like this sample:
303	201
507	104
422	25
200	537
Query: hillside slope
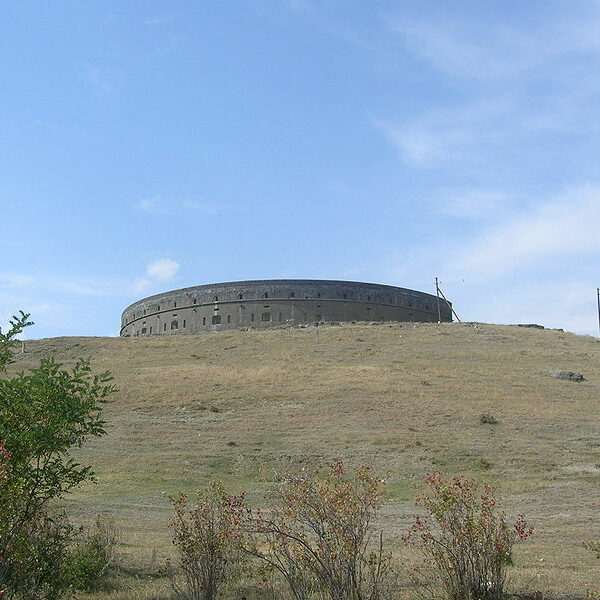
245	406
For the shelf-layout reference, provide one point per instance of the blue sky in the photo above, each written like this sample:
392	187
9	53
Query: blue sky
150	145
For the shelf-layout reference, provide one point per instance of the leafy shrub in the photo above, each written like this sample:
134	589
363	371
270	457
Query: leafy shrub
466	541
594	546
92	555
318	535
44	412
37	558
208	540
486	419
483	463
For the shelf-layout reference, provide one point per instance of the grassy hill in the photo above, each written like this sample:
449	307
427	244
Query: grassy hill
245	406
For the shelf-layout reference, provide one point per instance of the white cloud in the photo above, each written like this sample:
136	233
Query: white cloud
449	135
159	206
162	269
474	46
507	83
210	209
155	205
468	203
100	80
85	287
16	280
563	227
559	302
140	285
416	146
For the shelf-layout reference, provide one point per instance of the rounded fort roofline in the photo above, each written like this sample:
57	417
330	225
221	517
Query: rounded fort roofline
235	304
258	282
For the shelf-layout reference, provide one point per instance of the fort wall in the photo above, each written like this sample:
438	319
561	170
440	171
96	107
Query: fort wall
268	303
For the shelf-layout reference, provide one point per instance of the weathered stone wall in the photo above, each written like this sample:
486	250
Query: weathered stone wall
269	303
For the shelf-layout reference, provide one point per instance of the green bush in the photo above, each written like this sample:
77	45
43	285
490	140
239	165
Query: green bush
487	419
35	559
44	413
92	555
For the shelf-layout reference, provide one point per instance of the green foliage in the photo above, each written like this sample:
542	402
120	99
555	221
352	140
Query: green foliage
37	557
43	414
487	419
92	555
9	339
594	546
466	541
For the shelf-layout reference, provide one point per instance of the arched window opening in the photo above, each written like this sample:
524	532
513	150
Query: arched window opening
184	323
319	295
203	320
174	325
165	327
240	296
291	294
143	331
266	316
229	318
216	299
318	318
252	317
265	295
216	320
174	304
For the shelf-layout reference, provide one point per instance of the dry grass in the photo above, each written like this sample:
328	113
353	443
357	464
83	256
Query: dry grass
244	406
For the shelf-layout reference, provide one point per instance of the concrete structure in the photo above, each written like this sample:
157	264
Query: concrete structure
269	303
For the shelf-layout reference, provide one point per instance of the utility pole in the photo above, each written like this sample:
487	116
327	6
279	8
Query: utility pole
437	291
598	301
450	307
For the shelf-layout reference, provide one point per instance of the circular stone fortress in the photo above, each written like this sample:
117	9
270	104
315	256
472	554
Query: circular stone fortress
277	302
